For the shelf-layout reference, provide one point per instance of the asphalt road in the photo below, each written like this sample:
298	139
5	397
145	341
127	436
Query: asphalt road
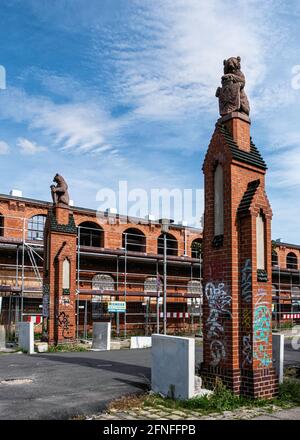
63	385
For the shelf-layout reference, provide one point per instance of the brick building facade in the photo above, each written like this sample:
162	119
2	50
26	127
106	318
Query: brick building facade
116	258
102	263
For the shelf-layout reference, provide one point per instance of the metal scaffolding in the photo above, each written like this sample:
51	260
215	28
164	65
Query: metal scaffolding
128	284
20	271
128	273
285	292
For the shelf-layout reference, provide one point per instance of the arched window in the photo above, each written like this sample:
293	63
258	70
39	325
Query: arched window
172	245
296	293
194	286
134	240
218	201
91	234
1	225
36	225
196	248
103	282
66	276
295	299
260	242
152	285
291	261
274	258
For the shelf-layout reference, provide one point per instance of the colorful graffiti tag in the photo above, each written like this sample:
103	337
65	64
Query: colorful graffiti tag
219	302
262	328
246	296
246	282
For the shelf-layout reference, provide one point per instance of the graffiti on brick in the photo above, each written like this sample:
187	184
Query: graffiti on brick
217	351
262	328
64	323
46	290
247	350
246	321
219	302
65	301
246	282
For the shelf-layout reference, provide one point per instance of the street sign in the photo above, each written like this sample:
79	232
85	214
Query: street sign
117	306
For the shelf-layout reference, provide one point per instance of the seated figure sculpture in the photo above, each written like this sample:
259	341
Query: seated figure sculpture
59	192
232	96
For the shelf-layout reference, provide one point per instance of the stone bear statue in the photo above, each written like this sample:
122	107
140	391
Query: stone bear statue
59	192
232	96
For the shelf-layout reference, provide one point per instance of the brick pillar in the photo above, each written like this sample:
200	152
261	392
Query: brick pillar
237	307
59	308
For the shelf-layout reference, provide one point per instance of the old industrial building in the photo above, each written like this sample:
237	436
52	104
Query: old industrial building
119	259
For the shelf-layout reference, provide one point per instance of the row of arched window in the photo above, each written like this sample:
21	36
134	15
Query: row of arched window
92	235
291	260
106	283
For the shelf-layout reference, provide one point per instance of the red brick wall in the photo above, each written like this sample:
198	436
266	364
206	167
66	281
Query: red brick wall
227	321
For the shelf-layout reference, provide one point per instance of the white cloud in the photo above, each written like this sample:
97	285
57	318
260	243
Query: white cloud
4	148
168	59
78	127
28	147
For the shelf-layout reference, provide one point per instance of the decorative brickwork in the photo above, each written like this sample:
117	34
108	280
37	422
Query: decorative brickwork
59	300
237	269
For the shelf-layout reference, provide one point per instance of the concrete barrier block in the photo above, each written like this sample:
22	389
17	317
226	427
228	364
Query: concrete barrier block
2	337
173	366
41	347
278	355
101	336
26	337
140	342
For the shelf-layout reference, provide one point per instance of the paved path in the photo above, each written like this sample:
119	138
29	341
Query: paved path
163	413
287	414
63	385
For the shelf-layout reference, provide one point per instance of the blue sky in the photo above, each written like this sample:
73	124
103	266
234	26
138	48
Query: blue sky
111	90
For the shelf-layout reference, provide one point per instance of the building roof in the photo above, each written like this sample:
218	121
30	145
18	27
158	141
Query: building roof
248	196
253	157
94	212
290	245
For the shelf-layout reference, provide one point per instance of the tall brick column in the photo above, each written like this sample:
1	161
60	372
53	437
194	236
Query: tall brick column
59	324
237	263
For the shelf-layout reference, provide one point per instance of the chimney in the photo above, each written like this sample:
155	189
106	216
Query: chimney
238	125
16	193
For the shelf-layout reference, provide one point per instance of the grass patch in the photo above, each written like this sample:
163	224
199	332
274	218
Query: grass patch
289	392
66	348
222	400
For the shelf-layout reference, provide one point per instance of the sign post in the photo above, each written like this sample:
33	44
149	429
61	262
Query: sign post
117	307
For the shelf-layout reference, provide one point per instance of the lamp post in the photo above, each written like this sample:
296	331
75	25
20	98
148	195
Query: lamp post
165	229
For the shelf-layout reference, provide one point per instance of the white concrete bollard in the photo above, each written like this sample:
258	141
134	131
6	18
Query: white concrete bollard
101	336
140	342
278	355
26	337
2	337
173	366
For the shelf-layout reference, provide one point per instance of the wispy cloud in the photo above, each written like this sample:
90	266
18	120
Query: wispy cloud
28	147
4	148
76	127
168	59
